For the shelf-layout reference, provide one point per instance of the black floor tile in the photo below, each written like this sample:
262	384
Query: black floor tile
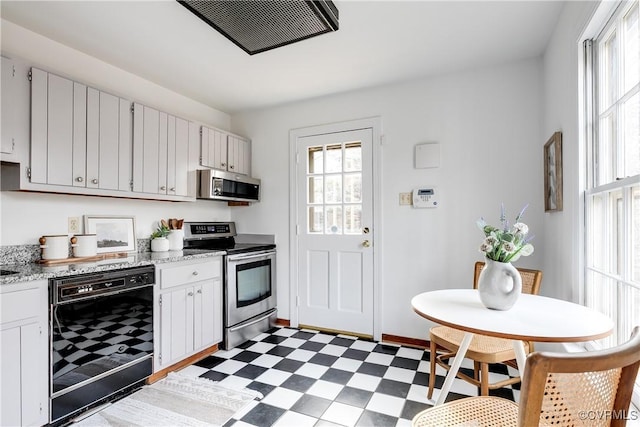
354	397
373	369
274	339
393	388
210	362
263	415
344	342
323	359
313	406
337	376
263	388
386	349
246	356
288	365
356	354
303	335
298	383
281	351
370	418
251	372
411	408
403	362
312	346
214	376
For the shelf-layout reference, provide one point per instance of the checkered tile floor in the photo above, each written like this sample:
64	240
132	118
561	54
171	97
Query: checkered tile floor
309	378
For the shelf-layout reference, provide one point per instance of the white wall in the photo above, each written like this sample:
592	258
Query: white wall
562	230
26	216
488	123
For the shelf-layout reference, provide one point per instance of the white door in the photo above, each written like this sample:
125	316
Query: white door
335	231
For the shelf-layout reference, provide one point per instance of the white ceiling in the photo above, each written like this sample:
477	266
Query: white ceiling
378	42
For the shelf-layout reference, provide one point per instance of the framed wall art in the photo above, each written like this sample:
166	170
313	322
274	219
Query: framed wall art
113	233
553	173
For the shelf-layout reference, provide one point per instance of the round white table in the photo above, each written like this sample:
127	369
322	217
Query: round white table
532	318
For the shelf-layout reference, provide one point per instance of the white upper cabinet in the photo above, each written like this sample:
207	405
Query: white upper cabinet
161	146
221	150
79	135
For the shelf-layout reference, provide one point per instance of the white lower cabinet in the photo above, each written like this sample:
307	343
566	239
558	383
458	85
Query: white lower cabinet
24	354
187	309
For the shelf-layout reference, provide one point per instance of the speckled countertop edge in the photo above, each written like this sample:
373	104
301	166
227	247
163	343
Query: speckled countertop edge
34	271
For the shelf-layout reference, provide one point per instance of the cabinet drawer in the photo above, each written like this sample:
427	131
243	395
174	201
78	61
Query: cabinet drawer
19	305
185	274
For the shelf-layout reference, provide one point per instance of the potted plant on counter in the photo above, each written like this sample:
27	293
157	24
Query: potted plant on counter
159	241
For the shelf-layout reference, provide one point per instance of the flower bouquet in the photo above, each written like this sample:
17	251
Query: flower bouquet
506	243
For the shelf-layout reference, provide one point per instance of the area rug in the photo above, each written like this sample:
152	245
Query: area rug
176	400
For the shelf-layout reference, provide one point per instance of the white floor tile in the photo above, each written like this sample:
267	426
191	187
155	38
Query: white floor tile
333	350
400	374
292	342
323	338
410	353
273	377
235	383
418	393
301	355
342	414
345	364
193	371
266	360
379	358
385	404
294	419
401	423
230	366
285	332
282	398
363	345
312	370
228	354
261	347
325	389
244	411
364	381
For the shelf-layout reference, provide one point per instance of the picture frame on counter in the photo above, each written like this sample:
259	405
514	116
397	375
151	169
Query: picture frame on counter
114	233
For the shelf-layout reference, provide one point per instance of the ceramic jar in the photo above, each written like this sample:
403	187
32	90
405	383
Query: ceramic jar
54	246
499	285
160	244
84	245
176	240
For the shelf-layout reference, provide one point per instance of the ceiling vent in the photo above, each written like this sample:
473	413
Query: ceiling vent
260	25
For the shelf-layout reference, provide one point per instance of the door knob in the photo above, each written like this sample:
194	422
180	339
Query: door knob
366	243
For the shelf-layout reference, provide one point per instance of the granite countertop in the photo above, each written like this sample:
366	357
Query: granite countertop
35	271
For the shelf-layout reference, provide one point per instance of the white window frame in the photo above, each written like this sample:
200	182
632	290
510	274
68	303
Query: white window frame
607	18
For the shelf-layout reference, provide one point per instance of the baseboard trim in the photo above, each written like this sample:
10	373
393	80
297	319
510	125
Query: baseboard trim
409	342
182	364
283	322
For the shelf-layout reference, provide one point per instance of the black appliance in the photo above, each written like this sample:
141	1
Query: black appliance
101	337
250	303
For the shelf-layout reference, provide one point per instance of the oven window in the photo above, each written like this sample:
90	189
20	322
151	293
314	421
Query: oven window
253	282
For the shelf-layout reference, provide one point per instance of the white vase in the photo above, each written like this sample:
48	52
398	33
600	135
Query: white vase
176	240
161	244
499	285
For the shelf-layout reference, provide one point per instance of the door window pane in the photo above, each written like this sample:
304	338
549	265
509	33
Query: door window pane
353	188
315	191
315	159
352	219
316	219
333	158
353	157
334	219
333	190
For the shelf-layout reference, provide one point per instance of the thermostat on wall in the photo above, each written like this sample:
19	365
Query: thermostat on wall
425	198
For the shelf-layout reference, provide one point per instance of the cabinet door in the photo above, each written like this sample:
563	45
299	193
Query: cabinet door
205	313
176	325
107	141
239	155
79	174
8	98
180	185
214	148
10	412
162	152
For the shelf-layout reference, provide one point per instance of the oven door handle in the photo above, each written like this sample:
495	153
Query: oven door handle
262	254
259	319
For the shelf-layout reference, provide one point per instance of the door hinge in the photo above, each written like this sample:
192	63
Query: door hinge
29	173
133	107
381	139
30	75
297	157
13	71
160	300
131	185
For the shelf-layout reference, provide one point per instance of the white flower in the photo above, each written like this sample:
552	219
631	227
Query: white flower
491	240
508	247
520	228
485	247
526	250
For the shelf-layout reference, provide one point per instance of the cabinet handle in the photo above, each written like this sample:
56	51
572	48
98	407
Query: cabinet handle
163	188
195	272
223	164
199	291
190	294
230	166
173	189
94	181
79	179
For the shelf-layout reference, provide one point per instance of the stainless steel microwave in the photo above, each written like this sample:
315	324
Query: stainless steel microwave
220	185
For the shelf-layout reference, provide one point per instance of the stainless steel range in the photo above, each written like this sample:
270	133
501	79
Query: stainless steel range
249	279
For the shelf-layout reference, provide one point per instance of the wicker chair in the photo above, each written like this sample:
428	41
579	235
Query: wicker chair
560	389
483	349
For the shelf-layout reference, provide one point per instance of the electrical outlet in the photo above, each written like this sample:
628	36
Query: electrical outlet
406	198
74	225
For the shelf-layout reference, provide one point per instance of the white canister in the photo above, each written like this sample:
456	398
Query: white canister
176	240
84	245
160	244
55	246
